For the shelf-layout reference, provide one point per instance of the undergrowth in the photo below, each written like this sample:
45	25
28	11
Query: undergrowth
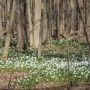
53	66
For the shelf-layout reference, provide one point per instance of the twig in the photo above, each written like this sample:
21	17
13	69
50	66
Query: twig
9	83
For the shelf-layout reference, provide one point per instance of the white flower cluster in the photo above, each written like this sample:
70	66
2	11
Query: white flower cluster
53	68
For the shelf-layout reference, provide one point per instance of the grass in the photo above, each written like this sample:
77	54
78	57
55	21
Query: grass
53	66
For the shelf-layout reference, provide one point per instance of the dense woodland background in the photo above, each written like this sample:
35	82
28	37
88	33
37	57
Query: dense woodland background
32	22
45	44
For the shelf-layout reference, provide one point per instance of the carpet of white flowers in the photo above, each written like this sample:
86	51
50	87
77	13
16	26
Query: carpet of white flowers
48	69
75	69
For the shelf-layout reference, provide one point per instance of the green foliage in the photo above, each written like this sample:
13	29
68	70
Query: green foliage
53	66
28	82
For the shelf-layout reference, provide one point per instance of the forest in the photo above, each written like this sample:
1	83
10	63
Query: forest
44	44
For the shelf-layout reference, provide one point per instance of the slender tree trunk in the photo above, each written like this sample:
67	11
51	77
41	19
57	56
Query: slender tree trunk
61	17
29	21
20	39
58	19
37	17
0	18
33	24
41	28
45	26
84	26
9	29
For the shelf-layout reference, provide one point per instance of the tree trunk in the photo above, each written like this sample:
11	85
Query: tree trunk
29	21
44	23
37	18
9	29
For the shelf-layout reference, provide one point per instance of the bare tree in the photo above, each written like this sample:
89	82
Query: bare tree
9	30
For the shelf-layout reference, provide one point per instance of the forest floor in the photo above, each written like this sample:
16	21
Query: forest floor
62	63
7	82
7	79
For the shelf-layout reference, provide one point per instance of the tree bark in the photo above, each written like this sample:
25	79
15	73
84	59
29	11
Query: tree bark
9	29
29	22
37	17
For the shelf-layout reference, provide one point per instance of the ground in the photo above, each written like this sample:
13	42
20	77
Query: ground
23	71
7	82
